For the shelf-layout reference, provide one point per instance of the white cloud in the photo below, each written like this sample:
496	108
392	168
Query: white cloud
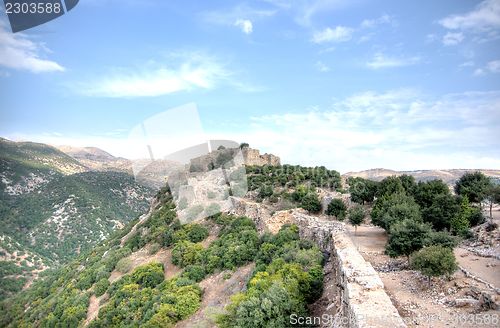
467	64
450	38
303	11
371	23
380	60
399	129
19	52
485	16
491	67
245	25
494	66
242	12
478	72
338	34
193	71
322	67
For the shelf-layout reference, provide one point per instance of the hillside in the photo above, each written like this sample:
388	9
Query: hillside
448	176
97	159
158	273
52	208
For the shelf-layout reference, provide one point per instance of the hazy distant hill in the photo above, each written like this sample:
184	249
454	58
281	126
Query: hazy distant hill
448	176
97	159
53	207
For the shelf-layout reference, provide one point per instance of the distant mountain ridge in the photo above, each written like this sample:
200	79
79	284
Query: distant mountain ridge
448	176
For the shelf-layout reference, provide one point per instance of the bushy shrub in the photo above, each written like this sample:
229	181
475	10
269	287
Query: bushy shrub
311	202
337	208
406	237
434	261
101	286
149	275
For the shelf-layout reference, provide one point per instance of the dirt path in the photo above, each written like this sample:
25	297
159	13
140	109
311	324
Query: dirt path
142	256
486	268
93	309
217	292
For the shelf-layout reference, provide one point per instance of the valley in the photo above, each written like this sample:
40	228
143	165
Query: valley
264	244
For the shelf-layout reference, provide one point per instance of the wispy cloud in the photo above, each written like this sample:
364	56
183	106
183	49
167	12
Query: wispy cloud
191	71
337	34
380	60
245	25
372	23
399	129
451	39
241	16
494	66
17	51
304	11
322	67
485	16
490	67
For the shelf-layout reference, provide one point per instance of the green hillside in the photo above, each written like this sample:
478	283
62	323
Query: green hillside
287	276
53	208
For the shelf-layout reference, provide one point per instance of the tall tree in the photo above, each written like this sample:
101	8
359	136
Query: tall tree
337	208
473	186
356	216
493	196
406	237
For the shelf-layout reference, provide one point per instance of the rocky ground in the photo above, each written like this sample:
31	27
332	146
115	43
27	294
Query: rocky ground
464	300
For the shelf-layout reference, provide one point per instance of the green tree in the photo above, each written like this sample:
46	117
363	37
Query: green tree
185	253
394	207
265	191
434	261
362	190
441	238
148	275
460	223
441	211
406	237
101	286
474	186
311	202
337	208
356	215
493	196
390	185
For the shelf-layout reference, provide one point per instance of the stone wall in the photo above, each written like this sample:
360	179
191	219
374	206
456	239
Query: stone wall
364	302
248	156
253	157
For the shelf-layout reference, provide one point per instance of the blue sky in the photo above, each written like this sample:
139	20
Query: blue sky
351	85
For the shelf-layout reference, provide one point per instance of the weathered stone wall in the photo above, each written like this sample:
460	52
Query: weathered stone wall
364	302
253	157
248	155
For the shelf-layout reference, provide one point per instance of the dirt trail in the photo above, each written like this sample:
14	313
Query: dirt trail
217	292
93	309
142	256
